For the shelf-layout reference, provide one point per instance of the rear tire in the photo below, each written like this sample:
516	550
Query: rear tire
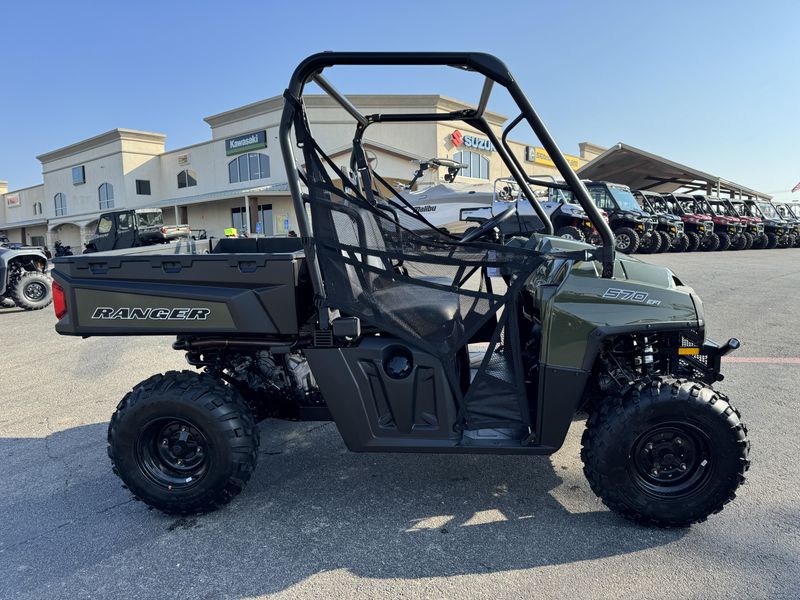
668	453
694	242
710	243
183	442
627	240
572	233
32	291
724	241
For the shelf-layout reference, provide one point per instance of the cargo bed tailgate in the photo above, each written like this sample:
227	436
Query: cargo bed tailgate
254	294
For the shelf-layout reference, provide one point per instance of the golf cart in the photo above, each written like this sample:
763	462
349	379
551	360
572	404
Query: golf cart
401	336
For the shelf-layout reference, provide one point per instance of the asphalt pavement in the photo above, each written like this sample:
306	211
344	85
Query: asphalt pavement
319	522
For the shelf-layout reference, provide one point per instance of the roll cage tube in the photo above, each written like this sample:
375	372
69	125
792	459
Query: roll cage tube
490	67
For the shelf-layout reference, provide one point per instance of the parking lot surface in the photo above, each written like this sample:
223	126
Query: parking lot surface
319	522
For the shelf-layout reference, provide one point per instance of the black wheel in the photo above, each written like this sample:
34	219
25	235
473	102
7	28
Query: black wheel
760	242
627	240
572	233
681	244
669	453
651	244
694	242
791	241
710	243
32	291
724	241
183	442
772	241
666	241
748	240
739	242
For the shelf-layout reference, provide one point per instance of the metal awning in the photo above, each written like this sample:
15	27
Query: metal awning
642	170
276	189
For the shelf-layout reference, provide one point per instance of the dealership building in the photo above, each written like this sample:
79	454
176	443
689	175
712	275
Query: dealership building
237	178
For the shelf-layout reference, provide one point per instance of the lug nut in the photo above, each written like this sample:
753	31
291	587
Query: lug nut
678	441
649	447
164	442
683	466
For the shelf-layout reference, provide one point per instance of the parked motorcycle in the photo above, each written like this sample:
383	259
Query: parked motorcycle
62	250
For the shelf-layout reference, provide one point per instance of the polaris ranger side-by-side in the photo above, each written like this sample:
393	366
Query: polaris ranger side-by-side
23	277
400	334
133	228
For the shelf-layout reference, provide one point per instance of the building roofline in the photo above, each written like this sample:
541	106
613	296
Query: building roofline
29	187
108	137
275	103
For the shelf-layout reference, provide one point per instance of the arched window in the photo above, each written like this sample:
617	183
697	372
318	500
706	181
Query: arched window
106	194
477	164
187	178
60	201
246	167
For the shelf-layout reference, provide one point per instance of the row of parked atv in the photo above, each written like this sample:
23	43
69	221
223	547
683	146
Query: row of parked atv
650	222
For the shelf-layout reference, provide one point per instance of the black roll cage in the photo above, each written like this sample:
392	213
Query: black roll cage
494	71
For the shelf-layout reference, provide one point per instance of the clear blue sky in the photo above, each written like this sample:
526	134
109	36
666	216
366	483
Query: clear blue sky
712	84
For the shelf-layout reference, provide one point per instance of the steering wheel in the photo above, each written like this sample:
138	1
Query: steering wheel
489	225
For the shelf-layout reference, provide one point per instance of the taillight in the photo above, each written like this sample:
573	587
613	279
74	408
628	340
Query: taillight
59	301
163	231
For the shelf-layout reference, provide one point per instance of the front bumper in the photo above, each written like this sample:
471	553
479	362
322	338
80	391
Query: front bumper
701	361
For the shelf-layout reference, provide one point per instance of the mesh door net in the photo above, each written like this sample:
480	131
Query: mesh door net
383	262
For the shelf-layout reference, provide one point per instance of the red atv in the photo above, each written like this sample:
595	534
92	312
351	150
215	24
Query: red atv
698	227
728	227
752	227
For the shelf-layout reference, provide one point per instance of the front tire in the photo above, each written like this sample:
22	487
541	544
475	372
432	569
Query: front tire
710	243
724	241
772	241
668	453
748	239
694	242
652	244
183	442
681	244
666	241
32	291
627	240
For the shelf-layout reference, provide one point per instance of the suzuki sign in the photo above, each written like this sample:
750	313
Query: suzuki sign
470	141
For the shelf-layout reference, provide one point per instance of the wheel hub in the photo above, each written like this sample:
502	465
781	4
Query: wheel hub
671	459
34	291
172	453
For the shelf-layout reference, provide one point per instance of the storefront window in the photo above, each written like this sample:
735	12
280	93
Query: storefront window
477	164
247	167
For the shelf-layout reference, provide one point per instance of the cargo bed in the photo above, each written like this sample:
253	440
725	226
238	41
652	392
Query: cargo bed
145	291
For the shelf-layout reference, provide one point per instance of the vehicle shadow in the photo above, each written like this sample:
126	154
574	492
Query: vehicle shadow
311	507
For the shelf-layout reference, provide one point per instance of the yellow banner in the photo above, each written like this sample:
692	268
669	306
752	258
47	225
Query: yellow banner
540	156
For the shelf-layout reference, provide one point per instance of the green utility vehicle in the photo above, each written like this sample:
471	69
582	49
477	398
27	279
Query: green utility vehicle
410	339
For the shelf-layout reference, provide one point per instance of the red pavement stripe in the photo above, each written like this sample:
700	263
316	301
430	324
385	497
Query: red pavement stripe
774	360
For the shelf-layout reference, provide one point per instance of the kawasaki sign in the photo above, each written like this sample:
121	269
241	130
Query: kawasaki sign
470	141
243	143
